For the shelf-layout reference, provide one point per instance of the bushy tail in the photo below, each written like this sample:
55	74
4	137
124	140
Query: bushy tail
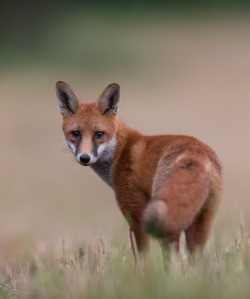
179	199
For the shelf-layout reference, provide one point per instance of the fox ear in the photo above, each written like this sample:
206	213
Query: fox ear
108	102
67	100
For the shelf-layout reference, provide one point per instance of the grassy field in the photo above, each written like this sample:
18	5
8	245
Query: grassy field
97	271
181	76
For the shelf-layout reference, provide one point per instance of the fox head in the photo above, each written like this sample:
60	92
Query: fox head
89	128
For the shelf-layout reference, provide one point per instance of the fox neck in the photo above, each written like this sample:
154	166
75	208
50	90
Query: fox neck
104	165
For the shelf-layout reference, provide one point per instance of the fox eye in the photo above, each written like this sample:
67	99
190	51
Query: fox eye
99	134
75	134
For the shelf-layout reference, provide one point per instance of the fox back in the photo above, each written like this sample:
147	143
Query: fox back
163	184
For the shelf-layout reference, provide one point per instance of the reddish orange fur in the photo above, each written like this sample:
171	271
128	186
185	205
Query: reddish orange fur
163	184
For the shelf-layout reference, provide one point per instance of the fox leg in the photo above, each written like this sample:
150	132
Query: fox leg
198	232
138	239
171	242
132	202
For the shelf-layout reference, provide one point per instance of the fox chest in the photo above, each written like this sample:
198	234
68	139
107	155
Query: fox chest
104	170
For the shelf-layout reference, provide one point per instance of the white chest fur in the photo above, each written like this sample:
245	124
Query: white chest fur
103	165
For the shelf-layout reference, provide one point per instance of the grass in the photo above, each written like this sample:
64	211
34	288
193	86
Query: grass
94	271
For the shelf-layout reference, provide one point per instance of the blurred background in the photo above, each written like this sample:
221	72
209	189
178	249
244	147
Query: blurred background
183	68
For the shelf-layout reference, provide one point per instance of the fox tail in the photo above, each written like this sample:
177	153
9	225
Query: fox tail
179	196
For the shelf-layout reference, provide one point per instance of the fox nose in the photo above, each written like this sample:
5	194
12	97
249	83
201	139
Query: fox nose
84	158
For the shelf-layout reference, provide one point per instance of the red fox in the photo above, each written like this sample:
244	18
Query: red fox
163	184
